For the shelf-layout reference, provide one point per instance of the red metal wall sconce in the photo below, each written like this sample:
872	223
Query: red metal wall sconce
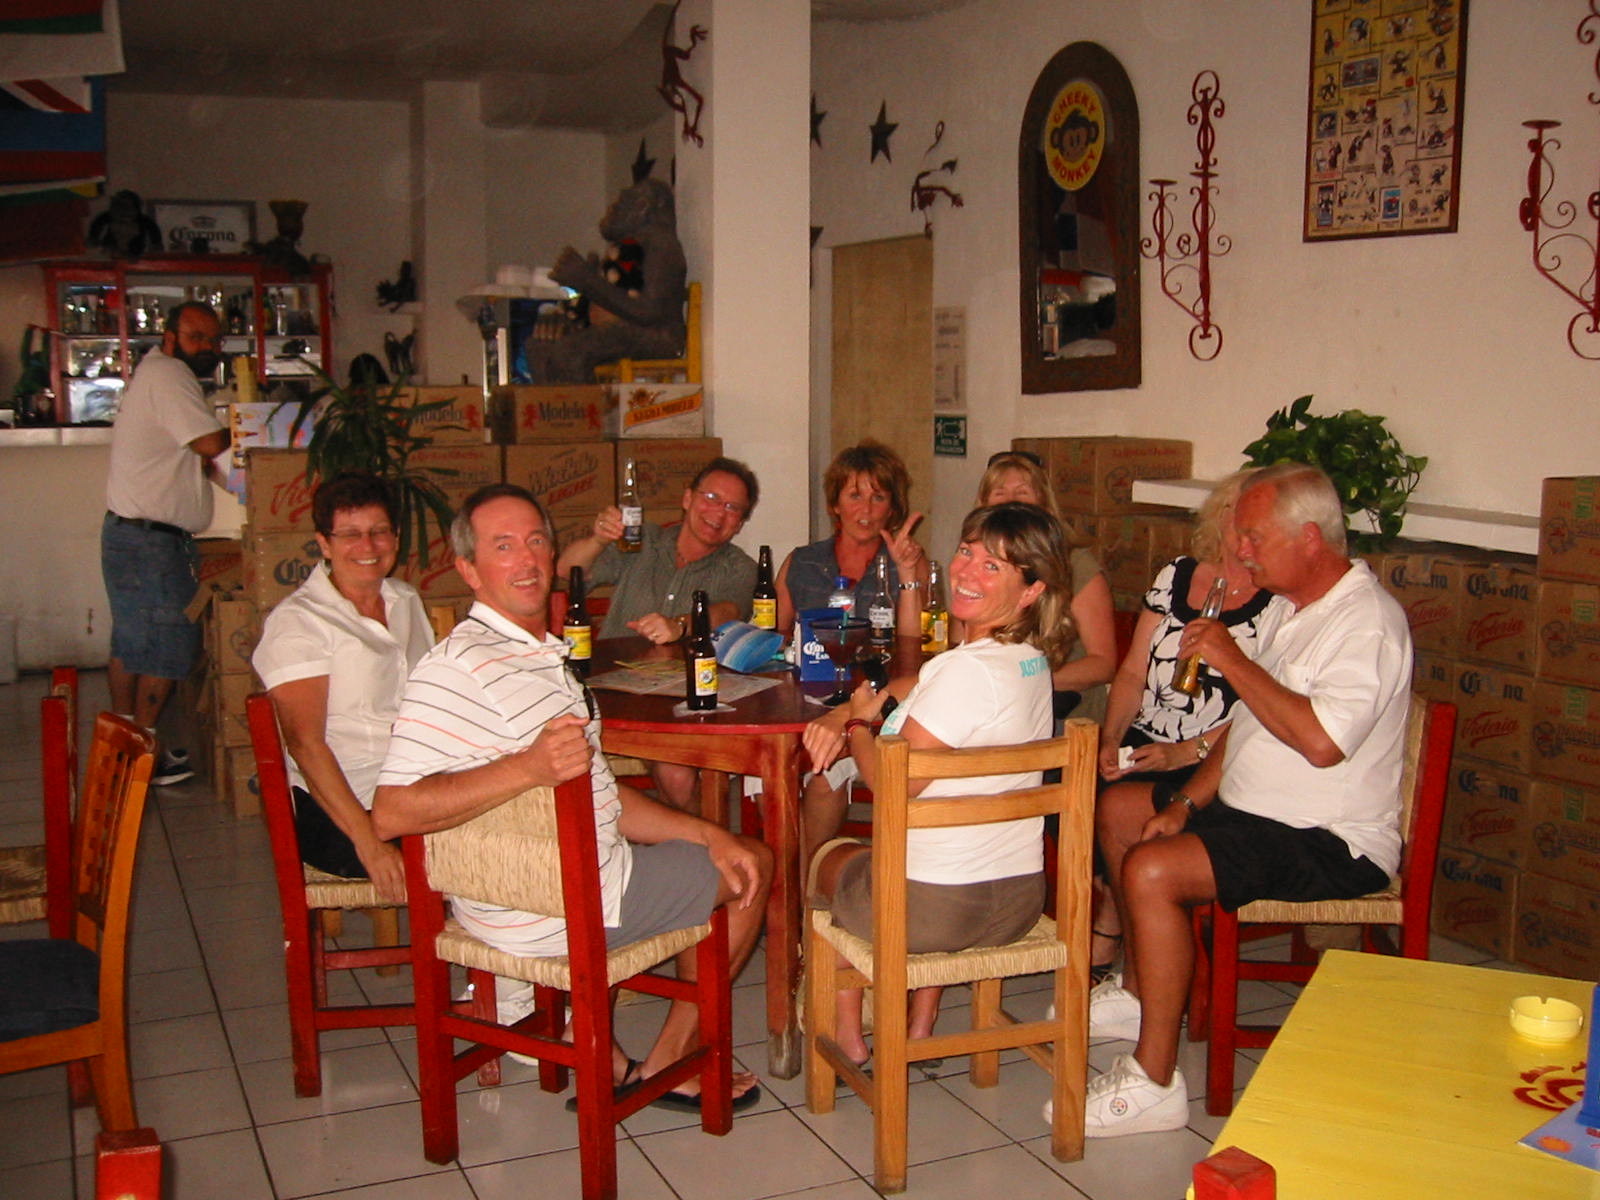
1185	260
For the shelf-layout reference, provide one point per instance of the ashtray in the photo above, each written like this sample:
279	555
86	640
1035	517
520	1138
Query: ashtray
1542	1020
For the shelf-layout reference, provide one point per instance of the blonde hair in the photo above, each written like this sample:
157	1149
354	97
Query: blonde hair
1214	515
1000	464
1032	540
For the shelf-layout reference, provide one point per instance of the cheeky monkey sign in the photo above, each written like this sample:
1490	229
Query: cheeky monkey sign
1075	135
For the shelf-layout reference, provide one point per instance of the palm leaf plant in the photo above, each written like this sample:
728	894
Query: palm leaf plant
367	426
1371	471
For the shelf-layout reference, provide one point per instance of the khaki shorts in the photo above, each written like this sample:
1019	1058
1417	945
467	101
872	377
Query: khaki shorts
944	916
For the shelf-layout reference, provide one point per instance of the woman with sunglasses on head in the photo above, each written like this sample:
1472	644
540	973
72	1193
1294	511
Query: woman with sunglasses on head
1018	475
334	657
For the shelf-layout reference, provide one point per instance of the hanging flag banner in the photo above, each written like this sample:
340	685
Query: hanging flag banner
56	39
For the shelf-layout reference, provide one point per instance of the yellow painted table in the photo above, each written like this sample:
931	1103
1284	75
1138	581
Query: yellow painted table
1398	1078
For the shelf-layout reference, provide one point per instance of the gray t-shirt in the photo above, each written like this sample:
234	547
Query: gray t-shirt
651	580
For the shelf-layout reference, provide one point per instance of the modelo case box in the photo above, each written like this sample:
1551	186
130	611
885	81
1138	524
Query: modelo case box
1494	715
462	421
1566	733
577	478
1569	529
1487	811
1096	474
277	495
458	470
1499	614
656	410
1557	927
1569	633
563	412
1474	900
1566	832
277	563
664	467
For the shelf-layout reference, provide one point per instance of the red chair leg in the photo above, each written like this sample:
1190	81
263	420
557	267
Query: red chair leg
127	1165
551	1004
1200	981
301	961
485	1007
441	1141
715	1003
1224	1011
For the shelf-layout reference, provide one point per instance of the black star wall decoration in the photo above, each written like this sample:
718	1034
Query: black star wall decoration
817	116
642	166
882	129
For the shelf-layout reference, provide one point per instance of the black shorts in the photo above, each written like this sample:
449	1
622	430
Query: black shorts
323	844
1257	858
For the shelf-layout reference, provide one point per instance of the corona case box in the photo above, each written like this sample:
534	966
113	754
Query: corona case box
1431	587
1499	615
1569	529
563	412
1494	715
1474	900
277	563
1433	676
1488	811
1096	474
1569	633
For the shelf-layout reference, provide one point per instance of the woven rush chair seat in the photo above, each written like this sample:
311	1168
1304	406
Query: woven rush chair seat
1058	1043
22	875
336	891
456	945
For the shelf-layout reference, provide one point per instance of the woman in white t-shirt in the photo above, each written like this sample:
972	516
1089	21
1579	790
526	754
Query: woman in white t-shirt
334	657
981	885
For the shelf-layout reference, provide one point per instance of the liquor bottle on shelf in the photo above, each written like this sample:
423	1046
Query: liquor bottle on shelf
935	616
764	600
632	540
1186	678
700	659
577	629
880	607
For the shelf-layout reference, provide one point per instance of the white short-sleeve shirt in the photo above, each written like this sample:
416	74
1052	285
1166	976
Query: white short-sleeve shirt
482	693
982	693
154	474
1349	651
316	631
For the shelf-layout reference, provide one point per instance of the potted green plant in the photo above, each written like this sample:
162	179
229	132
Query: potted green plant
1368	466
367	426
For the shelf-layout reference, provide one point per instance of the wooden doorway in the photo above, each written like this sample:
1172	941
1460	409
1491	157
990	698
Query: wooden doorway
883	352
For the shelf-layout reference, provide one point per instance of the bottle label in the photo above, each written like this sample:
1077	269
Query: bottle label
764	614
632	527
705	676
882	618
936	638
579	641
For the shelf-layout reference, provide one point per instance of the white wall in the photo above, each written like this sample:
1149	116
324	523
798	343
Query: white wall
1452	337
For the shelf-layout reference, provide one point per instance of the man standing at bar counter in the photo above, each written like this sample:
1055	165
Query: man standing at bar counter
157	499
655	586
1302	804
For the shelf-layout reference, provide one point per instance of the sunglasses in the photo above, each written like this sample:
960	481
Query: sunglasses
1026	454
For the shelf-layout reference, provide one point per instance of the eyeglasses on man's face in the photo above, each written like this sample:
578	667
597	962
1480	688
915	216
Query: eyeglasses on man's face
713	500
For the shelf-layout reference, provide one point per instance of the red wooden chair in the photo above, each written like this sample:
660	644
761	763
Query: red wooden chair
64	1000
304	894
127	1165
36	881
537	852
1430	735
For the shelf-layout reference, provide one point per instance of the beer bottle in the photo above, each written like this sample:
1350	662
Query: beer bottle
632	540
880	607
1186	676
576	628
935	616
700	659
764	600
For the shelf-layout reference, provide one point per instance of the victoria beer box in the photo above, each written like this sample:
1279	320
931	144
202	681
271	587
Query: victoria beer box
1569	529
463	421
221	564
1433	676
438	578
1431	588
1488	811
1475	900
664	467
1569	633
573	478
1557	927
1096	474
1566	733
1566	832
1494	715
1499	615
277	494
550	413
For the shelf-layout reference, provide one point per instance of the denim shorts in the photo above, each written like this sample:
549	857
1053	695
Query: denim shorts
150	580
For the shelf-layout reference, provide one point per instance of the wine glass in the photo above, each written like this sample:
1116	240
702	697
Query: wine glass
841	637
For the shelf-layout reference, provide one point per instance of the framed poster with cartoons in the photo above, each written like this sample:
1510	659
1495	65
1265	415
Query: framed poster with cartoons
1383	132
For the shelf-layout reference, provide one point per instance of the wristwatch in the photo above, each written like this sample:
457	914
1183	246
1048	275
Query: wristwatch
1201	748
1186	800
909	585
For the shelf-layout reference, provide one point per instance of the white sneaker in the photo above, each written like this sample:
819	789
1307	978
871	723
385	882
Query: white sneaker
1113	1010
1125	1100
172	767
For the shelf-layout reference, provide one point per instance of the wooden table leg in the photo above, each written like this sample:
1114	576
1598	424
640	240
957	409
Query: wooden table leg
781	798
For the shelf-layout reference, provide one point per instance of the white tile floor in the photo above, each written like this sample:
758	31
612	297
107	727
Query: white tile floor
212	1074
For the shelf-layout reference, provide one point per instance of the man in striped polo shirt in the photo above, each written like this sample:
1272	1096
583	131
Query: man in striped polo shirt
493	710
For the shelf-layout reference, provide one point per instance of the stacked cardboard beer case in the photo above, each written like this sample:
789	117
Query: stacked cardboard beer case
1093	480
1515	645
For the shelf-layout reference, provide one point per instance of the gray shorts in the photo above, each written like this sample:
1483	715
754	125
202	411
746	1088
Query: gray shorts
673	885
944	916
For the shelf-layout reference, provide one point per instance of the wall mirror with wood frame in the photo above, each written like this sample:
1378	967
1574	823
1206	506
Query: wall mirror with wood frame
1078	186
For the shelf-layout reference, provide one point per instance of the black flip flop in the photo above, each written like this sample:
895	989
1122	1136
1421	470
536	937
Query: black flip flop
631	1079
687	1102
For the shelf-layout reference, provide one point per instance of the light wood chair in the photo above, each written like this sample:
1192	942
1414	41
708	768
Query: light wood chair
1059	1044
36	881
537	852
65	1000
304	895
1406	902
664	370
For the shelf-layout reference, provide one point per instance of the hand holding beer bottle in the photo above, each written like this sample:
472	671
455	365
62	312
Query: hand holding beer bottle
1186	678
